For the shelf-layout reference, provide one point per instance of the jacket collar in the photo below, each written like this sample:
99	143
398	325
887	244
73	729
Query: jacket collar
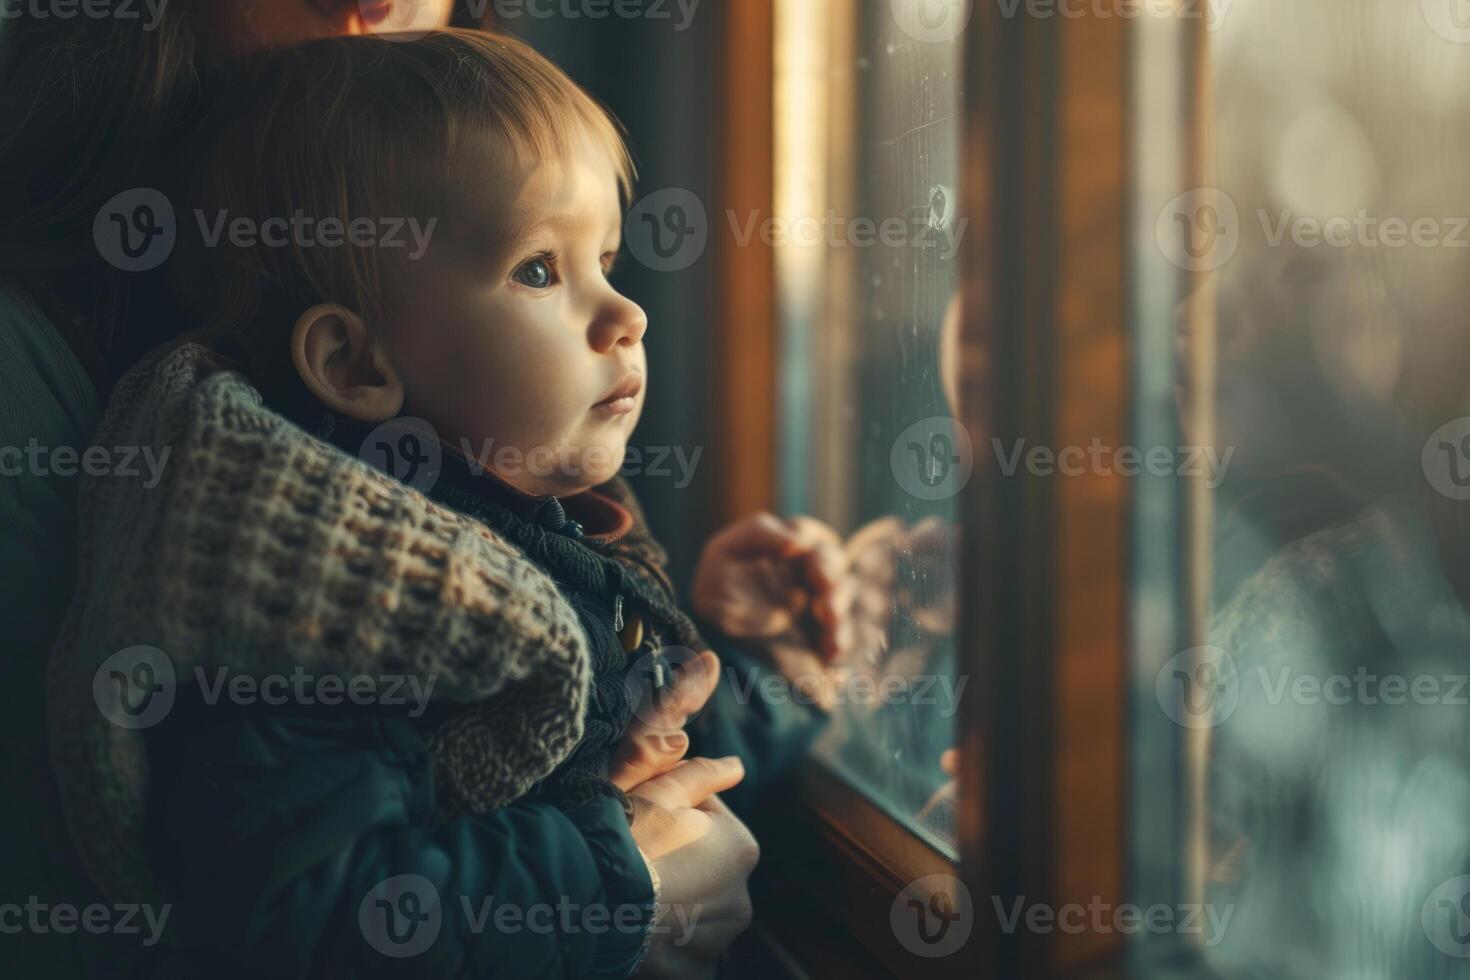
600	517
597	516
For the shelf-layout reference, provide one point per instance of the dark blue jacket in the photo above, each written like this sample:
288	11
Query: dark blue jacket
272	828
304	841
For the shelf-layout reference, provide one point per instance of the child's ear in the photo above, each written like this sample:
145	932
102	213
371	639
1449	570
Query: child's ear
344	366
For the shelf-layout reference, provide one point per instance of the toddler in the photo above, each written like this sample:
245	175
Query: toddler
406	245
403	246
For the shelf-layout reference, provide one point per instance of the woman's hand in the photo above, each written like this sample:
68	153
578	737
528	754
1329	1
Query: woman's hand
703	856
700	851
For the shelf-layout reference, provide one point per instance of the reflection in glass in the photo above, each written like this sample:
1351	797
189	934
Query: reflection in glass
1334	703
867	167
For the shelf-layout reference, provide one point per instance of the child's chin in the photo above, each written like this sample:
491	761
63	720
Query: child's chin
598	464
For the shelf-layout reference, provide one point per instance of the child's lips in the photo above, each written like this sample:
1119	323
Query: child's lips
616	406
624	398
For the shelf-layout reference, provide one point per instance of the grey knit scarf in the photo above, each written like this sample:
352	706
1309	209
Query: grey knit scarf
263	550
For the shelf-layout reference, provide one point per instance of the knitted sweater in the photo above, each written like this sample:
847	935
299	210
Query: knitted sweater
622	604
263	550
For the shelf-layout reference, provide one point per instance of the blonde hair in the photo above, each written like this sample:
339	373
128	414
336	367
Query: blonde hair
359	127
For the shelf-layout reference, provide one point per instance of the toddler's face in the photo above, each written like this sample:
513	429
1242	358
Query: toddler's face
523	353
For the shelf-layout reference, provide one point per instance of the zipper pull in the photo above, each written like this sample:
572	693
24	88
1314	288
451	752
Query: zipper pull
618	614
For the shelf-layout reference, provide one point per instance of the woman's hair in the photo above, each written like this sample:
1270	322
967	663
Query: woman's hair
84	103
89	105
359	130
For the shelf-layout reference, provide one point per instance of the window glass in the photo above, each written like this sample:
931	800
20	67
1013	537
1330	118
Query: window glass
867	187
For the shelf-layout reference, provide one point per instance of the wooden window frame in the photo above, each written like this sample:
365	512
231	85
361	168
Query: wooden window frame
1048	280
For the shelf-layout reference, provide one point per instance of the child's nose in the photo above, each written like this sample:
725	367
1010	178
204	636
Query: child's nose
621	321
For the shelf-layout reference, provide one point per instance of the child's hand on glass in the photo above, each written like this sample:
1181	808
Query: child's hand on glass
885	559
782	584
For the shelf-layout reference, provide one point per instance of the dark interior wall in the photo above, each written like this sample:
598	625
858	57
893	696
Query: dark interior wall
661	82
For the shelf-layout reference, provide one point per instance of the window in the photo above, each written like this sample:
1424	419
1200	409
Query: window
1210	370
867	131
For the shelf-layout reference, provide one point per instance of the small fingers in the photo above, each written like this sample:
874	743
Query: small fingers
825	566
933	536
762	535
643	756
879	534
835	613
810	531
668	709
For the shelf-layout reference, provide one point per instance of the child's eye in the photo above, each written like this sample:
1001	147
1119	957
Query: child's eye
610	263
536	273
